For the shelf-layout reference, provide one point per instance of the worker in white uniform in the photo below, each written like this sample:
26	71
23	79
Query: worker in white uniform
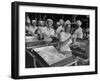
40	29
41	25
27	24
79	30
60	27
78	34
65	39
48	31
33	28
30	28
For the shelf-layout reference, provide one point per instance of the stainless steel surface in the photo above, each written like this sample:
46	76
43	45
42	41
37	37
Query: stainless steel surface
50	54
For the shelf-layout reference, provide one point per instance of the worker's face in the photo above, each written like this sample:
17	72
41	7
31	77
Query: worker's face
61	22
49	23
78	23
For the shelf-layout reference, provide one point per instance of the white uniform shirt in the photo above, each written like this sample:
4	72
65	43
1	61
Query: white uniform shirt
63	37
32	29
48	31
41	28
79	33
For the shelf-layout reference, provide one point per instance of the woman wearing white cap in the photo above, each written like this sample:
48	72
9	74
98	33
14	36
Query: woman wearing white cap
60	27
33	27
65	38
48	31
79	31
